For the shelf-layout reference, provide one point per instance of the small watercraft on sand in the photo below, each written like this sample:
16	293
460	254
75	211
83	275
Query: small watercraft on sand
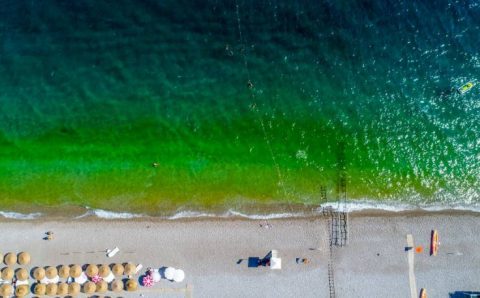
434	243
466	87
423	293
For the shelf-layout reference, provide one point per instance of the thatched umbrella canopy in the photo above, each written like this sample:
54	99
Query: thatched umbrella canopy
129	269
89	287
23	258
51	290
39	273
62	289
117	285
104	271
7	273
6	290
22	274
75	271
40	289
131	285
118	269
63	271
73	289
102	287
92	270
10	259
51	272
21	291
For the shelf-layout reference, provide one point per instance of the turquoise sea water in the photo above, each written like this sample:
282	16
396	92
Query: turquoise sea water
240	103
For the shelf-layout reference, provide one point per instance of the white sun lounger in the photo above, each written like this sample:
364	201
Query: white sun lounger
111	253
139	267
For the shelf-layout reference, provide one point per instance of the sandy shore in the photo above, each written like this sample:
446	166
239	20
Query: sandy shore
214	253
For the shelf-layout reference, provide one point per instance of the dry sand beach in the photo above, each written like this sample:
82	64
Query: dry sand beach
214	253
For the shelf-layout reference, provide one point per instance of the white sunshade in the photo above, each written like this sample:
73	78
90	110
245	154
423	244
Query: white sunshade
81	279
275	263
179	275
169	273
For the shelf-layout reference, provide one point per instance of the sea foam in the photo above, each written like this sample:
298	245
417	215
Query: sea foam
20	216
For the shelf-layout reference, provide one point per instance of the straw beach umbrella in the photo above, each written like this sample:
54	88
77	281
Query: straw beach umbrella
51	290
129	269
73	289
40	289
92	270
62	289
23	258
51	272
104	271
64	271
7	273
131	285
75	271
89	287
117	285
21	291
6	290
22	274
102	287
118	269
10	259
39	273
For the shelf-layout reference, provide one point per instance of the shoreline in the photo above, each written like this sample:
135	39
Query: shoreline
88	216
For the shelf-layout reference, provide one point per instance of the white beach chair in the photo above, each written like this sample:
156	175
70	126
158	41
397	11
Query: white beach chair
109	278
83	278
111	253
138	268
21	282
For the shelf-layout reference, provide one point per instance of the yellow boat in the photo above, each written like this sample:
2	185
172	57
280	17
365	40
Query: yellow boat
423	293
466	87
434	243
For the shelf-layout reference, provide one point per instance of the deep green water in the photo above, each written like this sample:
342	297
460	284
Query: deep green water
92	93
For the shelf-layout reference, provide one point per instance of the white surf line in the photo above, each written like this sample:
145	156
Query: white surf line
411	272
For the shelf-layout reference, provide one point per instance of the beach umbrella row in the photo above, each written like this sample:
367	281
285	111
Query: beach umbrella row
73	288
10	259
